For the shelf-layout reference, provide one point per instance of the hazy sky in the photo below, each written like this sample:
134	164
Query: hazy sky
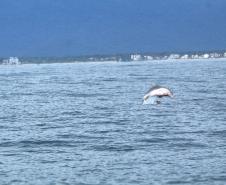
80	27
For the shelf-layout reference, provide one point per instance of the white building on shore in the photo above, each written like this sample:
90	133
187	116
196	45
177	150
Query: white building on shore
11	61
206	56
136	57
174	56
185	57
148	57
214	55
195	56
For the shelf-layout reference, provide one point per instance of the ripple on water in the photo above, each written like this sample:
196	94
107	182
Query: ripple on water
84	123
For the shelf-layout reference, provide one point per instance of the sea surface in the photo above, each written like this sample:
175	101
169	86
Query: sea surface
84	124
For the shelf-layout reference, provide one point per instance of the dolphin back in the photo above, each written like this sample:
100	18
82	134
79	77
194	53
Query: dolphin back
153	88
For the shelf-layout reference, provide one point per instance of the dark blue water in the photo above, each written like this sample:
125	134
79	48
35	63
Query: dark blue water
85	123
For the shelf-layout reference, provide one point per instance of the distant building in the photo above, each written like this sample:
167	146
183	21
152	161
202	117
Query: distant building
174	56
205	56
225	54
185	57
148	58
136	57
11	61
214	55
195	56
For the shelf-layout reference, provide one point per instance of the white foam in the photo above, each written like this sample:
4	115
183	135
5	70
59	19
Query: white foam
150	100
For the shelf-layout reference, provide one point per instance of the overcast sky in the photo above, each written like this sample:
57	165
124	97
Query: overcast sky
86	27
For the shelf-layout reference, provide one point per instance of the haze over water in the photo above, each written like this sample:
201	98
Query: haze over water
84	123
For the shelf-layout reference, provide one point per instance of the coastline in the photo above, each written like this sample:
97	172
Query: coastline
185	60
53	61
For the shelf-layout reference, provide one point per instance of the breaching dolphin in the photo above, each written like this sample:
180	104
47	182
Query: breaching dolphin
159	92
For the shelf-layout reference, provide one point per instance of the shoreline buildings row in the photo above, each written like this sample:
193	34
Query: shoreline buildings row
212	55
117	58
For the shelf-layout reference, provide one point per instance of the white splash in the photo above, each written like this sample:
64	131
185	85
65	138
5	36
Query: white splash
150	100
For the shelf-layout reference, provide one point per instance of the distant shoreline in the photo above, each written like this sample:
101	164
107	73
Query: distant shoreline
186	60
204	56
114	61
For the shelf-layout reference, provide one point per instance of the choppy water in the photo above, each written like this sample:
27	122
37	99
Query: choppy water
85	123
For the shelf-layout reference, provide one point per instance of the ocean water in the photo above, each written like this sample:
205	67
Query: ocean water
85	124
